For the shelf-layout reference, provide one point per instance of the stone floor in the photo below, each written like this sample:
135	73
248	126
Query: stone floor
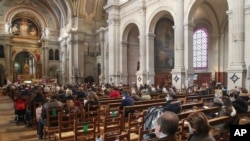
9	131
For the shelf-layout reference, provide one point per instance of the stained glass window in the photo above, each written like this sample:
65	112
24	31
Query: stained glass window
200	44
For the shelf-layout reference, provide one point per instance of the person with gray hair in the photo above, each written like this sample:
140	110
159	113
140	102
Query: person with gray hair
166	127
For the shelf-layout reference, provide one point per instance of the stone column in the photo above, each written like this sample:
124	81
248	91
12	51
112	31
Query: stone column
102	76
124	53
45	58
188	53
178	73
113	26
142	74
237	68
69	60
150	61
64	61
8	59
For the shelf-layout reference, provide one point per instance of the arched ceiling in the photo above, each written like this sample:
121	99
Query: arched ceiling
64	10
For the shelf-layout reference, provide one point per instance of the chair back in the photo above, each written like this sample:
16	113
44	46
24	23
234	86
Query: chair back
84	131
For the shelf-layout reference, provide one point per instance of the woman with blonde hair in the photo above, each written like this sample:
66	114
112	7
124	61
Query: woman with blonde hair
92	99
199	127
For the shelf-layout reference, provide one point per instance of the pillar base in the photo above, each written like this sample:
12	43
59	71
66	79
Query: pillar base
178	79
236	77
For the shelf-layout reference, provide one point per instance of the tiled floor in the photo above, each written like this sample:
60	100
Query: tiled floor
9	131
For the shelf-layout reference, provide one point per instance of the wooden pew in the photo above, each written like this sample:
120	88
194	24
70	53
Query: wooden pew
210	110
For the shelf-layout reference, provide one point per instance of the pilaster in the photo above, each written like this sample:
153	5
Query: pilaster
142	74
188	53
178	73
237	68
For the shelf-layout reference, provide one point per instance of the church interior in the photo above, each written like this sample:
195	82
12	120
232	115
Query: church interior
179	44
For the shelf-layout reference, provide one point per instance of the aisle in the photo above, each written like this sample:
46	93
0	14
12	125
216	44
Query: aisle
9	131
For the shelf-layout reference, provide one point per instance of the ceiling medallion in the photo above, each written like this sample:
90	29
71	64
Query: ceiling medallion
234	78
176	78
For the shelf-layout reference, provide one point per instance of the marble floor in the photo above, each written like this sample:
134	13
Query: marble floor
9	131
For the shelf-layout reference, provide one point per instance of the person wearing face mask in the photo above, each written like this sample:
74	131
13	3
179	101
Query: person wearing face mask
172	103
166	127
217	98
199	127
239	104
127	101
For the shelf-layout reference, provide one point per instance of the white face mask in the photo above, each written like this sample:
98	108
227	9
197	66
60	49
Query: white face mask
232	99
167	98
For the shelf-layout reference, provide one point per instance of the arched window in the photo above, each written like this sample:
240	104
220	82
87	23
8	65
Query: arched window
200	46
1	51
56	54
51	54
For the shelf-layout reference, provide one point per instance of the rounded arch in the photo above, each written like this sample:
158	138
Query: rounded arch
11	13
17	52
127	28
203	23
191	9
157	15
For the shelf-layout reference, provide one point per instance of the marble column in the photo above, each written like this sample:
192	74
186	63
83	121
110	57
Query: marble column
9	62
150	61
142	74
113	26
178	73
64	67
237	68
188	53
124	73
45	58
69	60
101	35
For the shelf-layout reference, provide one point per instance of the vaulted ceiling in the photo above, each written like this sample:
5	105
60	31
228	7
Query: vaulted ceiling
64	10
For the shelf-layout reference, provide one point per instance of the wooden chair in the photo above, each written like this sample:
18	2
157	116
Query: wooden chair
111	127
135	121
52	122
93	112
142	132
65	127
85	131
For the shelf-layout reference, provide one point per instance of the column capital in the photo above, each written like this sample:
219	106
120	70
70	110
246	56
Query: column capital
247	9
150	35
189	24
229	13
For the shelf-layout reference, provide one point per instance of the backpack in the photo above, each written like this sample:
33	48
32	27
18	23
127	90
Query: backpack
151	116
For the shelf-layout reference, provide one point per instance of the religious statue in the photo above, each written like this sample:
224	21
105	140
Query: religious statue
26	68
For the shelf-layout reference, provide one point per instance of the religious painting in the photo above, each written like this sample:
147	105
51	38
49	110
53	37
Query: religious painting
164	45
24	27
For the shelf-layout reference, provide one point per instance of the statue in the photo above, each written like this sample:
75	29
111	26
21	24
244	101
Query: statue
26	68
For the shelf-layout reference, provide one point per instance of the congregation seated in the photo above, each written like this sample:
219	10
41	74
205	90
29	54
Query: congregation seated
172	107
